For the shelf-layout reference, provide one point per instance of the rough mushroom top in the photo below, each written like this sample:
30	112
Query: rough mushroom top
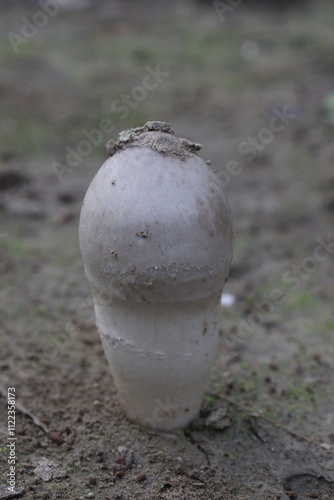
158	136
155	223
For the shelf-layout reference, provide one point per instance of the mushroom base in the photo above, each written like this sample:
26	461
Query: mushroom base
160	356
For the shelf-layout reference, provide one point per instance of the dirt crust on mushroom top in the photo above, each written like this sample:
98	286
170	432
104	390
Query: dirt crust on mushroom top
156	135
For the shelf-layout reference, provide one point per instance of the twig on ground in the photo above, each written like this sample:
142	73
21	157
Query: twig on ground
22	409
255	430
251	413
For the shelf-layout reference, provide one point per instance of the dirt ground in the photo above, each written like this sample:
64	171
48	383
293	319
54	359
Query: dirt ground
254	84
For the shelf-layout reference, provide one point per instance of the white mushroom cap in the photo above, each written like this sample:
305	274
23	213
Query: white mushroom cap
155	223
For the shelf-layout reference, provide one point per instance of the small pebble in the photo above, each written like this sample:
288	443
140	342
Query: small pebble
140	478
122	449
56	438
227	300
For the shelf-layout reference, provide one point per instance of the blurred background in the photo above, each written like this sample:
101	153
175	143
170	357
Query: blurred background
253	81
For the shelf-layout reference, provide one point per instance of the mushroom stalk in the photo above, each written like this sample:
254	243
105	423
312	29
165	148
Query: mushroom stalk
156	241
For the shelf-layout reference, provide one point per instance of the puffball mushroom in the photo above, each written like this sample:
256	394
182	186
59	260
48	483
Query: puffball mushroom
156	242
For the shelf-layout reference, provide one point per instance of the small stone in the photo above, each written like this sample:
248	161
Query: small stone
122	449
140	478
70	441
218	419
227	300
56	438
48	470
326	446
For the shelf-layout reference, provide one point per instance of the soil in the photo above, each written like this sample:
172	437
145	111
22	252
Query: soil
256	89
